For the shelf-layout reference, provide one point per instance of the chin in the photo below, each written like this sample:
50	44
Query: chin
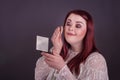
70	41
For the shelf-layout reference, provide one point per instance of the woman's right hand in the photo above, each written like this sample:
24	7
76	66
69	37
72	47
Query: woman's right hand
57	40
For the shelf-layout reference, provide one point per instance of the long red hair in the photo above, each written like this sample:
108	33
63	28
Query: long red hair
88	43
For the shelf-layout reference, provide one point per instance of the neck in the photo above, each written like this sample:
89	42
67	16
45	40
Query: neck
77	47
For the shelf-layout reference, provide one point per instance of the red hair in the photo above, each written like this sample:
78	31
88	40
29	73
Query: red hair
88	42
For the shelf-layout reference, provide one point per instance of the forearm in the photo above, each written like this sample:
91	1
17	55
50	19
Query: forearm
65	73
41	69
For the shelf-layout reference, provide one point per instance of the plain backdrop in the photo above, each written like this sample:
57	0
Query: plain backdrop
22	20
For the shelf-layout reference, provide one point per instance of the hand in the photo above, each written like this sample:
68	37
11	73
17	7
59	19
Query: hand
54	60
57	40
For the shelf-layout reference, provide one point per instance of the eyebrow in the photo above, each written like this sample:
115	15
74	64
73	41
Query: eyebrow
79	22
76	21
69	20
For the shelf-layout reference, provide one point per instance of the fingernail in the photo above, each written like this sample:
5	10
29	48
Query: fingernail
42	53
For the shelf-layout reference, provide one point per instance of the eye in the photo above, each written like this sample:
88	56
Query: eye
78	26
68	24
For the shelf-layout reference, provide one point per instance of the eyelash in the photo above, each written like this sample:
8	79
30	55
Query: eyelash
68	24
77	25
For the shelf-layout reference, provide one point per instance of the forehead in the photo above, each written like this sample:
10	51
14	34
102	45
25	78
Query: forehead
76	18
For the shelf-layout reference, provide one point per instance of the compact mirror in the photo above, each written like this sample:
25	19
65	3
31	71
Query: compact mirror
42	43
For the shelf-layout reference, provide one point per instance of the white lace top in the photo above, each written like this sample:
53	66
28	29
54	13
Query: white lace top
94	68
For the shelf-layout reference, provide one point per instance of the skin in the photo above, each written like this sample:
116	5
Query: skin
74	31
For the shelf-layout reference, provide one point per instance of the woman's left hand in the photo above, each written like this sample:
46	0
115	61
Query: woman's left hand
54	60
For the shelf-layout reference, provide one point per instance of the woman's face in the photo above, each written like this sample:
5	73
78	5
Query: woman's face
75	29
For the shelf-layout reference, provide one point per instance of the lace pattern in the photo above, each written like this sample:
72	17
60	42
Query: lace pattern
94	68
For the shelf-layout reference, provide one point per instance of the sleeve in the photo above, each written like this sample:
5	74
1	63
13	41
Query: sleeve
65	74
95	68
41	70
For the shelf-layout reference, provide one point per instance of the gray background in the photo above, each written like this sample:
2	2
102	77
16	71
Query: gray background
22	20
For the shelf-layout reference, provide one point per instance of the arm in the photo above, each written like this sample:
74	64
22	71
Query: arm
41	69
65	74
95	68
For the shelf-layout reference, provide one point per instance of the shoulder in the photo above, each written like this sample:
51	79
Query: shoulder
96	61
95	55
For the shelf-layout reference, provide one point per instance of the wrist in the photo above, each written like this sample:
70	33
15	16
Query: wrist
57	51
61	66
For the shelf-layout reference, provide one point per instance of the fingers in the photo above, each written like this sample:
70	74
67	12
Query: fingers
55	52
57	33
57	40
53	61
48	56
61	29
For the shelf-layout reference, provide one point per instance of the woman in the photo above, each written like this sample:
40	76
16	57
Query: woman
75	57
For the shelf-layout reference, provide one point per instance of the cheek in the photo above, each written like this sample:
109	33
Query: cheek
82	32
65	28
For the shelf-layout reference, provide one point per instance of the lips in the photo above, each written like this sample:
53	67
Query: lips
70	34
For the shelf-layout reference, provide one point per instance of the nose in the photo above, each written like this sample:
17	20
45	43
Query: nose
71	28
